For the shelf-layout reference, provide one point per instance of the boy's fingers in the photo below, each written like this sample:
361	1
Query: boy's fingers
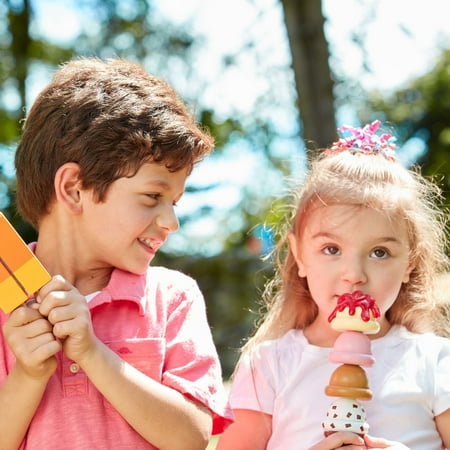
23	315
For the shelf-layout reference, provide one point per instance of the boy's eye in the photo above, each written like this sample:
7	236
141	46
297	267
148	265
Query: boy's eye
380	253
331	250
154	196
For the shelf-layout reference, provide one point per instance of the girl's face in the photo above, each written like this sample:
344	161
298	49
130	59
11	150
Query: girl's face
343	248
137	216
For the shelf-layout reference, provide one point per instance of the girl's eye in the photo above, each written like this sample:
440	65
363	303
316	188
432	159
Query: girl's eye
380	253
330	250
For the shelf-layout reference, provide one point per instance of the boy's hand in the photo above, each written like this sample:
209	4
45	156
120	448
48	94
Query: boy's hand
29	336
341	440
68	312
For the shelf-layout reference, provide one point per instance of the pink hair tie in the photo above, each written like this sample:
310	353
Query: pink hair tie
364	140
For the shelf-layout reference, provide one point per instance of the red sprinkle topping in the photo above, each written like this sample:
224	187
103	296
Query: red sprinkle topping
352	301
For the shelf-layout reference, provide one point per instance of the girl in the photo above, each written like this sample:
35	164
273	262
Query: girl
363	223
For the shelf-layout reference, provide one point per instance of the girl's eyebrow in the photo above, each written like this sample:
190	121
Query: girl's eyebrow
329	235
325	234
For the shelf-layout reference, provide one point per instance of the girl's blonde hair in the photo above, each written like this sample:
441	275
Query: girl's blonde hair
372	181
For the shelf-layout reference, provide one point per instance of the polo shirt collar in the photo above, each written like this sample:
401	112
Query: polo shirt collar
121	286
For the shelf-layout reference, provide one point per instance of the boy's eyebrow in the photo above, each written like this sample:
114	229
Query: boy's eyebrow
163	184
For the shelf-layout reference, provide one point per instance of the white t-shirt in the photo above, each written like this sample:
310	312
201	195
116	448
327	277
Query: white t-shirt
410	382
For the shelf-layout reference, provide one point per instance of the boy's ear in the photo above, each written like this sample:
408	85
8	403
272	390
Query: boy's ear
68	187
293	245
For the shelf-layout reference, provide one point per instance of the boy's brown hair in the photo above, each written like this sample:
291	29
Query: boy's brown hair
109	117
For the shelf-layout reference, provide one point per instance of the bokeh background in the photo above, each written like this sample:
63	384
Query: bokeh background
271	79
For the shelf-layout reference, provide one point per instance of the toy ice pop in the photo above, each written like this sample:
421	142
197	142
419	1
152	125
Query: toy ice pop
21	273
356	316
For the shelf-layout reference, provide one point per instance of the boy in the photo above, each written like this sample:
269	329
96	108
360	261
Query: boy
112	354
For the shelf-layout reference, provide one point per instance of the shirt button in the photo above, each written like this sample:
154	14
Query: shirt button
74	367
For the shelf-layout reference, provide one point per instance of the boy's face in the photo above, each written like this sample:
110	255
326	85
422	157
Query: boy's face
137	216
345	248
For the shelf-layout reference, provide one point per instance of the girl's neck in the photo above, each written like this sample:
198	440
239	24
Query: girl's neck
321	334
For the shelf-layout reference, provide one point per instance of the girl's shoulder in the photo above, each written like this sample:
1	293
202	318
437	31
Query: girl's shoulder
290	338
423	344
290	348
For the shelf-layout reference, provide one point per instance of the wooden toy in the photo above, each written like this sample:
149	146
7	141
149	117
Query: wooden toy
21	273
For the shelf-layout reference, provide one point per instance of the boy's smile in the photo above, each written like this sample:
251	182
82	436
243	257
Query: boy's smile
345	248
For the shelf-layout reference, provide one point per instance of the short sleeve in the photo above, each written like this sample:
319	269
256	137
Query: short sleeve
254	382
7	359
442	384
191	364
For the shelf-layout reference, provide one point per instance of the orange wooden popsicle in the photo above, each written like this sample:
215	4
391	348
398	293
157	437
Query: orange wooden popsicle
21	273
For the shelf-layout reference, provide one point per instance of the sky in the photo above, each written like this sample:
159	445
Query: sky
402	40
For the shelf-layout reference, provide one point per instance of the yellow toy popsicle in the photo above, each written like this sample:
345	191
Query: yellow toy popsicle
21	273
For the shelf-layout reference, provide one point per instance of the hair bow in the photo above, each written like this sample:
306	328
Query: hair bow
364	140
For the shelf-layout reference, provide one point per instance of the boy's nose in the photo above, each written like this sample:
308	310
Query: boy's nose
167	219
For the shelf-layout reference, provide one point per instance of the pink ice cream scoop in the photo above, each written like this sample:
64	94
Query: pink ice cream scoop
352	347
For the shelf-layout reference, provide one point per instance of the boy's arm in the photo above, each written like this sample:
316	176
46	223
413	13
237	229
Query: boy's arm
148	406
162	415
29	336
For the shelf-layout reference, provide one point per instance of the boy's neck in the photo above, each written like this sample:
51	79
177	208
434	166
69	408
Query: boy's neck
61	254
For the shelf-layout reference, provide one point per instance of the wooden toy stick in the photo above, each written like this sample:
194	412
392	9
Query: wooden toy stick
11	273
21	273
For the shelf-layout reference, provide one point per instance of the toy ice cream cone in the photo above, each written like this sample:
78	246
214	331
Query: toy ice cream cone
356	316
345	414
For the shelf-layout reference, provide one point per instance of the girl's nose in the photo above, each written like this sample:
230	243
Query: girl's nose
167	219
353	272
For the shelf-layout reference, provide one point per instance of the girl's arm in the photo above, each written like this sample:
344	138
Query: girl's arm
29	336
443	426
251	430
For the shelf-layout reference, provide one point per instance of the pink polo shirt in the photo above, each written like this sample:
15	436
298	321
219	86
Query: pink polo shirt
157	323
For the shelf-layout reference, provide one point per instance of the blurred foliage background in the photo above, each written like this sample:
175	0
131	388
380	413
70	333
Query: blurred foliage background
261	149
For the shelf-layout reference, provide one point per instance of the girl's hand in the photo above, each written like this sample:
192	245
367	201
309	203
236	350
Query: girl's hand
341	440
68	312
29	336
377	443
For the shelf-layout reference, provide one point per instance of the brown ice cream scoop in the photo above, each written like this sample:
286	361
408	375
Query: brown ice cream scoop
349	381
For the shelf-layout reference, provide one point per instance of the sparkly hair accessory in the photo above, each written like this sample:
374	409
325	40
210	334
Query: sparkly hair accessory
364	140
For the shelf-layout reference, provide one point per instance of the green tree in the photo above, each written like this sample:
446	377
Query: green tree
310	62
422	110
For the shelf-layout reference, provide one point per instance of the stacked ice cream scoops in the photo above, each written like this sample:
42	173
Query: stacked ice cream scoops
355	316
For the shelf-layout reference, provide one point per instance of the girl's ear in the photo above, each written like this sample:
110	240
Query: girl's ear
293	245
68	187
408	271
